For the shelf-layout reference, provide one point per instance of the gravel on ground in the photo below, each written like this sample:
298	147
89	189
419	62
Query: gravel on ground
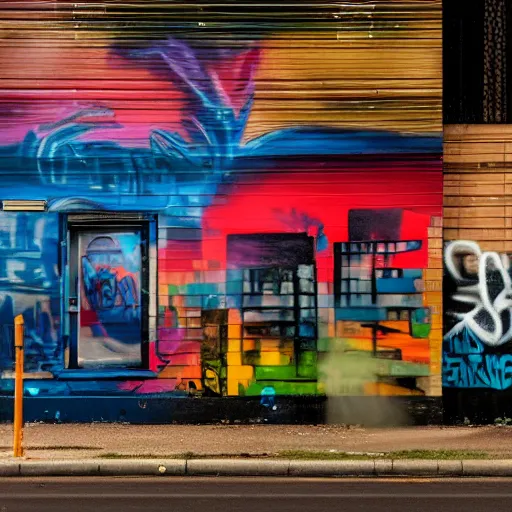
62	441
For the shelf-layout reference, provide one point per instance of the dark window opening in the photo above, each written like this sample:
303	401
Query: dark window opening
477	57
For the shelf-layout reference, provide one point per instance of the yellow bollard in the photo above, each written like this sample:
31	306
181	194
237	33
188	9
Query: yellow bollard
18	387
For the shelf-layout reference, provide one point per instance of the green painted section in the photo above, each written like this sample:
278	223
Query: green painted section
323	344
406	369
391	368
275	372
174	290
283	388
307	365
420	330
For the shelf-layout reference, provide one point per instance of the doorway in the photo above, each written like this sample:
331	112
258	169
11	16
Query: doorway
107	295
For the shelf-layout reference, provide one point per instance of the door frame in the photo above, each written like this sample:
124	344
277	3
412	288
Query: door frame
72	226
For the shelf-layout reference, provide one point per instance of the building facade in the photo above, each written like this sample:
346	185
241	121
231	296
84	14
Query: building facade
477	102
215	202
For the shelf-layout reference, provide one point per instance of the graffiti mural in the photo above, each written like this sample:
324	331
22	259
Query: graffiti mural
29	285
110	330
477	344
378	301
295	202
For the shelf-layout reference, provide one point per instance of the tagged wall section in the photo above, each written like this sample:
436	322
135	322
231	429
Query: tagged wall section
285	176
477	284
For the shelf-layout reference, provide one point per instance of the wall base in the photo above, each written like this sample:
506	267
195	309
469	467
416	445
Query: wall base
370	411
476	406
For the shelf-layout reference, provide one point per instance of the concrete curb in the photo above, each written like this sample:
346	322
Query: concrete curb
331	468
237	467
144	467
257	467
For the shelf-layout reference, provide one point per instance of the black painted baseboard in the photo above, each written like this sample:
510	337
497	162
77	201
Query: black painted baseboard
476	406
365	410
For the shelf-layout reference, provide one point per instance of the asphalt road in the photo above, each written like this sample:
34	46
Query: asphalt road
188	494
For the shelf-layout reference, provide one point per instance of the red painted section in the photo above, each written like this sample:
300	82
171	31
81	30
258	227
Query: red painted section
280	203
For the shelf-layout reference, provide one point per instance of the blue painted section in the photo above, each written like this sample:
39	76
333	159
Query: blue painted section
488	371
153	410
158	410
361	314
396	285
105	175
81	375
467	365
404	284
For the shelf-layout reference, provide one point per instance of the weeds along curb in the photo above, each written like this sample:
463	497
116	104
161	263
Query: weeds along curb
271	468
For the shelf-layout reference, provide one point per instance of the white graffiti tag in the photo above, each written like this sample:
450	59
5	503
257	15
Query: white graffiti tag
483	281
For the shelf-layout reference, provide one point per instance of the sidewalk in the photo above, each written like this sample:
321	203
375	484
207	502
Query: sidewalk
47	442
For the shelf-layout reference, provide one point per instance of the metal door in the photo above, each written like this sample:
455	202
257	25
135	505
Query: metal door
105	297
